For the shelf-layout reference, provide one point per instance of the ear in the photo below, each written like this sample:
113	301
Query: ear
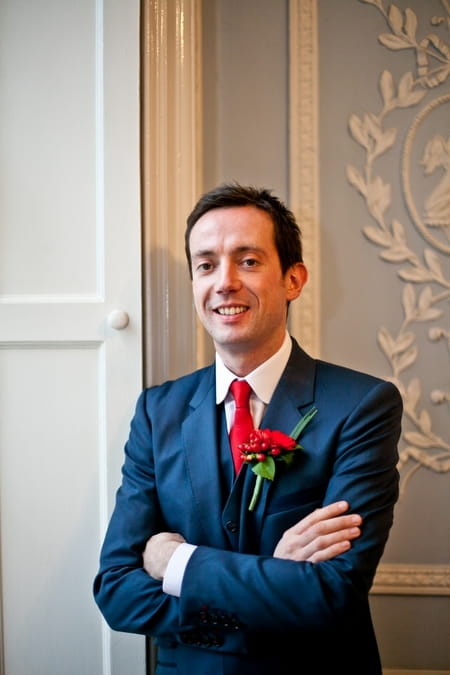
296	277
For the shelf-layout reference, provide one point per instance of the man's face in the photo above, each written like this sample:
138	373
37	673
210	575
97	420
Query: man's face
240	293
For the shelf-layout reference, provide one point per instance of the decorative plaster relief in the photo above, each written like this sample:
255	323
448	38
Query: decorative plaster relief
424	275
401	352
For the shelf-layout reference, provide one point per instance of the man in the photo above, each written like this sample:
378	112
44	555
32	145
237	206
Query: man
282	588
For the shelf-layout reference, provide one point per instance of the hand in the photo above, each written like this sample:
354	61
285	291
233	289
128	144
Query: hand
158	551
323	534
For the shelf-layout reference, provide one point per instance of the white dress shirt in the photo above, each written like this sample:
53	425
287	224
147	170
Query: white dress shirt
263	381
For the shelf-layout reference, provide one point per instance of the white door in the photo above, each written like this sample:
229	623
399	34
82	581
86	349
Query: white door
70	369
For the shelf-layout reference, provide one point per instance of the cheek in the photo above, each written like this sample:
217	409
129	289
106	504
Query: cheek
275	297
198	294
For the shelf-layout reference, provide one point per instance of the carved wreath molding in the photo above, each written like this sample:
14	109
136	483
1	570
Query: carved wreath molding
392	579
426	288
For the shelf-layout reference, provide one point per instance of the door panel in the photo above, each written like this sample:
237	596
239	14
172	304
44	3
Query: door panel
49	487
69	376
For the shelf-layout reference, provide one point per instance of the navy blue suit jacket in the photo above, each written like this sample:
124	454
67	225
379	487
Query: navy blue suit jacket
241	611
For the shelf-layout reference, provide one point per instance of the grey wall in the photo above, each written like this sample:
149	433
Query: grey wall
245	93
247	138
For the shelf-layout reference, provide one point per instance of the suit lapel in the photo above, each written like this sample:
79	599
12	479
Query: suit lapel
292	398
201	437
294	394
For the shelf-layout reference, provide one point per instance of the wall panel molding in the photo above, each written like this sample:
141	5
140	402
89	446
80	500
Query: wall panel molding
393	579
304	159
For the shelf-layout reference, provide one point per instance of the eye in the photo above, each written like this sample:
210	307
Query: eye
203	267
250	262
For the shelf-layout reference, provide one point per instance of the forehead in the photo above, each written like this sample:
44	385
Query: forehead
234	225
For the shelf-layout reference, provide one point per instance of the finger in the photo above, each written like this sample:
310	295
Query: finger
161	537
318	515
315	528
320	535
331	552
324	547
333	525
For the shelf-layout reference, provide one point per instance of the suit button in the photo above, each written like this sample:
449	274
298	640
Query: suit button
232	526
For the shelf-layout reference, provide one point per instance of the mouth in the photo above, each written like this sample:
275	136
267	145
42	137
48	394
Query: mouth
231	311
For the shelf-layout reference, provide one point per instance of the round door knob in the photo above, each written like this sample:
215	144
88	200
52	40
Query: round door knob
118	319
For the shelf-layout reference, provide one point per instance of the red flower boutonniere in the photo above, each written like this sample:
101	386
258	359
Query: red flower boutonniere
265	447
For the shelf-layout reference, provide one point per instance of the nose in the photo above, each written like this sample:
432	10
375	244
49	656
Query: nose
227	277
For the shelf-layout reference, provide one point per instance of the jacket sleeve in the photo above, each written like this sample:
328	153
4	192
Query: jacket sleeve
129	599
261	592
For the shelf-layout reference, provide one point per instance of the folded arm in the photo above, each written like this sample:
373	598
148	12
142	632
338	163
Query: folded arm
322	535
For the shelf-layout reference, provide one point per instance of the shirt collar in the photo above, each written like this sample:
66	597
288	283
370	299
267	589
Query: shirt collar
262	380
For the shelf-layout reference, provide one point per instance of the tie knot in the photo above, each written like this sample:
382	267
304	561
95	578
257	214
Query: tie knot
241	390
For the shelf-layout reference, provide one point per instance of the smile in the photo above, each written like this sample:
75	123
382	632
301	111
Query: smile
230	311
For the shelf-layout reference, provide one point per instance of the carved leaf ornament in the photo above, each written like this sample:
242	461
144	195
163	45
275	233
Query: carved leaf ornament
426	288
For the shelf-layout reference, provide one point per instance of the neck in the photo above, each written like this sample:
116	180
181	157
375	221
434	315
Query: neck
242	363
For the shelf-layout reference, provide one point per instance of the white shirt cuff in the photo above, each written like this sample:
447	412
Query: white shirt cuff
173	577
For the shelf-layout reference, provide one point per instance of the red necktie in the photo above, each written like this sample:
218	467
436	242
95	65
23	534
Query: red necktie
243	422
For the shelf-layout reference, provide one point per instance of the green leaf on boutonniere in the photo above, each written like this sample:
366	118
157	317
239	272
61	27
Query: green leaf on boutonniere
306	419
265	469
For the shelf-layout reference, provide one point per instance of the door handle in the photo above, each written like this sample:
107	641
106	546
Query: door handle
118	319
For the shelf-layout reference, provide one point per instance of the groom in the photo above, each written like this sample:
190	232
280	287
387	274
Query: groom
282	588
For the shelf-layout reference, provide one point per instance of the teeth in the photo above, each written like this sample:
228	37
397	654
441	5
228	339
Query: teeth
228	311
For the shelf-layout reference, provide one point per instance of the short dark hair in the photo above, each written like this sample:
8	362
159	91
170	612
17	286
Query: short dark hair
287	233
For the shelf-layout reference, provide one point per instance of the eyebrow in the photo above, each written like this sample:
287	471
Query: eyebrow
206	253
202	254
